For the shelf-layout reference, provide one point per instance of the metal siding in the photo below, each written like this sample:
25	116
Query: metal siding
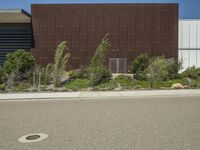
186	58
193	60
186	34
198	58
198	34
189	47
193	34
133	28
14	36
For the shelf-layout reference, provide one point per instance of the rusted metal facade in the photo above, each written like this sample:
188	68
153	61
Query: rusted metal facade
133	28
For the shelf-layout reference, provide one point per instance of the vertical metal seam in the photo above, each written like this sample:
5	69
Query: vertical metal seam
196	43
189	45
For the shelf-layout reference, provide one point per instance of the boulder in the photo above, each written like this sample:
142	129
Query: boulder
177	86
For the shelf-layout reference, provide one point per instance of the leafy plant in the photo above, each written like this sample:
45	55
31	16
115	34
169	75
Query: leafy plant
174	66
60	62
20	61
46	74
21	87
125	81
81	73
192	73
78	84
157	69
98	73
1	75
2	87
142	84
106	86
17	67
139	66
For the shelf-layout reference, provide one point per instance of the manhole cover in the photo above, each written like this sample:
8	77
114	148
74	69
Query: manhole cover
34	137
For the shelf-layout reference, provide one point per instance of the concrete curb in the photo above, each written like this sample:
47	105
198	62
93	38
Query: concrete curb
99	95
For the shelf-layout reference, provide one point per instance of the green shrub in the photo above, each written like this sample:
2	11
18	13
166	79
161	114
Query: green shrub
192	73
195	83
98	73
79	73
174	66
139	66
125	81
1	75
2	87
142	84
78	84
137	87
20	61
106	86
21	87
157	69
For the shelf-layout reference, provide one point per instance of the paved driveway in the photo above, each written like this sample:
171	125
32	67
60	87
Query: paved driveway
124	124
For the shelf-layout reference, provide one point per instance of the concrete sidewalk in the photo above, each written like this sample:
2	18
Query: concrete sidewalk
98	95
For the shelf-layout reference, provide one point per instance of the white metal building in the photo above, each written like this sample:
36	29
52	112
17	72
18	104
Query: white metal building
189	42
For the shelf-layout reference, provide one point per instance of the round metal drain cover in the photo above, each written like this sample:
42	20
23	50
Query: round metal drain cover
31	138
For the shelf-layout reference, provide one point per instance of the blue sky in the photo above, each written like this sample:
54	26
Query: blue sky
188	8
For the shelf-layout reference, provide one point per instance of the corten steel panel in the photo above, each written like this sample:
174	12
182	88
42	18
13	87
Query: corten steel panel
133	28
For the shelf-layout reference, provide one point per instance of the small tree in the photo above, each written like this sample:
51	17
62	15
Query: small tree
60	62
98	73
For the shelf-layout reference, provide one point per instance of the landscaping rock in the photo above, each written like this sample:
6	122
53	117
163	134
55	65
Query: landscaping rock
65	77
177	86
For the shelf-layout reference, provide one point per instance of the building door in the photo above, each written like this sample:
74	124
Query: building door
117	65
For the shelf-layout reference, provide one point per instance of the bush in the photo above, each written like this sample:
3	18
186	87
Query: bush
125	81
98	73
1	75
157	69
174	66
106	86
2	87
192	73
195	83
78	84
21	87
139	66
79	73
20	61
142	84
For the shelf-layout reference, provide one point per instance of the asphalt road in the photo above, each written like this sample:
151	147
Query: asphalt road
124	124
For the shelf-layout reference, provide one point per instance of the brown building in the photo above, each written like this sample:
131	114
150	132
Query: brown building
133	28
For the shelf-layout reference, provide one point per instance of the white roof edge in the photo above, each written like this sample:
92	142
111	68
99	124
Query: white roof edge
189	19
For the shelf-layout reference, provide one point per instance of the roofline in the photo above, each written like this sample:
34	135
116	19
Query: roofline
118	3
15	11
190	19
